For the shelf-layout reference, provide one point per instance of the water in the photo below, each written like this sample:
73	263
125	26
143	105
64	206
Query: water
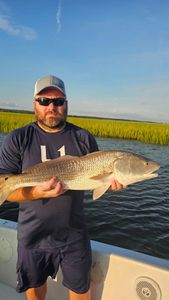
137	217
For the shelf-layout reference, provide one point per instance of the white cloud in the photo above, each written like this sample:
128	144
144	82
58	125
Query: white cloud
12	105
10	27
18	30
58	15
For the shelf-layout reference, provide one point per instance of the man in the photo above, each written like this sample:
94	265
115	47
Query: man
51	227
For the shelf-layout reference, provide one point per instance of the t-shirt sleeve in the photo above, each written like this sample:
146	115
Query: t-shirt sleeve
92	143
86	142
10	155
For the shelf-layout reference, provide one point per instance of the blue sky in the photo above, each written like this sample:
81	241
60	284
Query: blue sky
113	55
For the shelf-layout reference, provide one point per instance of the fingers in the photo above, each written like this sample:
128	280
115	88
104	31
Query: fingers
116	185
51	184
51	188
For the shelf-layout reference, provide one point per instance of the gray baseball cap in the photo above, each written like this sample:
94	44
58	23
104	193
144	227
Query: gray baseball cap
49	81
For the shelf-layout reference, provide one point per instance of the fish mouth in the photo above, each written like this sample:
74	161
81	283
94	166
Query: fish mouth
153	167
151	175
140	178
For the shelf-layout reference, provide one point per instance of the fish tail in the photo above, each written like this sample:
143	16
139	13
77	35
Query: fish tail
5	189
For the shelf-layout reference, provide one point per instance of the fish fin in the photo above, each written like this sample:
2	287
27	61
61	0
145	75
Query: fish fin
98	192
100	176
4	190
105	178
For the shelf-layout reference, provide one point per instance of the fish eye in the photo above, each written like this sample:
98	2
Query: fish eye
146	163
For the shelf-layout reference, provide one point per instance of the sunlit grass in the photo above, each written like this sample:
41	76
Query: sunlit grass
146	132
12	120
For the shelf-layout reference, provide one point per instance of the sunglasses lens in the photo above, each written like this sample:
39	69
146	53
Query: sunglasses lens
43	101
47	101
59	101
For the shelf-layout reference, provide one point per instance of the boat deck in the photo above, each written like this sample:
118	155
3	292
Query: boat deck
117	273
9	293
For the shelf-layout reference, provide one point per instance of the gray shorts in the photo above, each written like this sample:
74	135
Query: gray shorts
35	265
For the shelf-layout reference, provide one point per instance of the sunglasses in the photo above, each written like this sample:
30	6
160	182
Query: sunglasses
46	101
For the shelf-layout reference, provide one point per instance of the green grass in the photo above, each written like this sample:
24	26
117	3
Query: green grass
12	120
155	133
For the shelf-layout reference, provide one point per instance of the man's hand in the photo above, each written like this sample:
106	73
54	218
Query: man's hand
51	188
116	185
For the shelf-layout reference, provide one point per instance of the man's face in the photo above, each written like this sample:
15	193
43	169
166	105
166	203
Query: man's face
51	116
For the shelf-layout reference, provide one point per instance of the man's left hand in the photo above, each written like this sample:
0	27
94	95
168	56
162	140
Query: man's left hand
116	186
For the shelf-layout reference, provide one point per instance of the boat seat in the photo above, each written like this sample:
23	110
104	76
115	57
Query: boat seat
9	293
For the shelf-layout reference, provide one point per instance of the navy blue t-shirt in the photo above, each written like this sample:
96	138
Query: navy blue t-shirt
51	222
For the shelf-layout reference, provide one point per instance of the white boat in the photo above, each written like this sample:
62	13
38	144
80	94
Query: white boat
117	273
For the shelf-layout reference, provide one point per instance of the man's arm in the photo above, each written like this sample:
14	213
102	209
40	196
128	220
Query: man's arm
52	188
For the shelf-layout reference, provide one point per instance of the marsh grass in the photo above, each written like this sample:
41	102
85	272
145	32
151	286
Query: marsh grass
155	133
12	120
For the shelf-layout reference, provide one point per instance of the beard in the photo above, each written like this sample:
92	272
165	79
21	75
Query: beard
52	119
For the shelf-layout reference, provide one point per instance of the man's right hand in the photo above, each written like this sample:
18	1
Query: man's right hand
51	188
